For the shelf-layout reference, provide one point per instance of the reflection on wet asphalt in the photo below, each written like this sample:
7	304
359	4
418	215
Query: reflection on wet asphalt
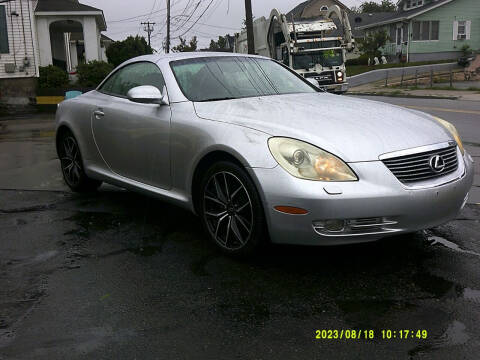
119	275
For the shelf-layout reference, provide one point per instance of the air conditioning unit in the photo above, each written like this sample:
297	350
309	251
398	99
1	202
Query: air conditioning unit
10	68
461	36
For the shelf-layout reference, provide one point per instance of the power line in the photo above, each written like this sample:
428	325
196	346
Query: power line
195	23
143	15
189	17
151	11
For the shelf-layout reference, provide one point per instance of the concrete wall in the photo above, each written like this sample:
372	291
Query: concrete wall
21	42
381	74
17	95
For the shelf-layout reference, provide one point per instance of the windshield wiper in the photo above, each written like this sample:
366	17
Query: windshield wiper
218	99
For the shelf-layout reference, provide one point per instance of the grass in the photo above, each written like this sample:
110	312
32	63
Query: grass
360	69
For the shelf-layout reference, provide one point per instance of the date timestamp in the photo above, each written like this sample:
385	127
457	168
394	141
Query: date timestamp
354	334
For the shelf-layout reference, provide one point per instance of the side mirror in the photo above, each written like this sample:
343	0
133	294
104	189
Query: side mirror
313	82
148	94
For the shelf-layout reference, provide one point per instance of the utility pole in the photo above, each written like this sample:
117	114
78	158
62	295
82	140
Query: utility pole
167	48
148	29
249	24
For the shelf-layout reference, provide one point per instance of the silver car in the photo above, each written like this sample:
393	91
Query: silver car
259	153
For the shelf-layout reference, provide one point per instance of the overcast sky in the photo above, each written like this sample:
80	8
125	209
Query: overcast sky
222	17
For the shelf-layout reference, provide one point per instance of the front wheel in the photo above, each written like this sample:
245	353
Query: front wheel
231	210
72	165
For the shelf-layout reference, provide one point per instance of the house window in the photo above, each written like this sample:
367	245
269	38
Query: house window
425	30
324	8
3	31
461	30
410	4
435	30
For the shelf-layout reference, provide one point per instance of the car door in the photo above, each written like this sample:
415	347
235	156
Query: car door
134	138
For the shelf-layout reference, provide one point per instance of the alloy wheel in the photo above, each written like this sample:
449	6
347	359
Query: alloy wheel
70	160
228	210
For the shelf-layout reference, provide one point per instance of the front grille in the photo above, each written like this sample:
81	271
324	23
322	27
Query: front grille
416	167
325	78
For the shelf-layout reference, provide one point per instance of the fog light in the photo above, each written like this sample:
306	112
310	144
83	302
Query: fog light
330	225
335	225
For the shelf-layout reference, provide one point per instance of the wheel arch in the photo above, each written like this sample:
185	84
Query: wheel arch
61	130
204	164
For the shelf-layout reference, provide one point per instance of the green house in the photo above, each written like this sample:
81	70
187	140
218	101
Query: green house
426	30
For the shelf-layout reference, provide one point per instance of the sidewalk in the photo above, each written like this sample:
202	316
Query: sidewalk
378	88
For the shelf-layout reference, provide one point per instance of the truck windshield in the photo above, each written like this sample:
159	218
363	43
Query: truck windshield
233	77
326	58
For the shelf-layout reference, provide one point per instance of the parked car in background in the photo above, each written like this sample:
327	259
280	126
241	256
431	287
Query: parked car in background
258	152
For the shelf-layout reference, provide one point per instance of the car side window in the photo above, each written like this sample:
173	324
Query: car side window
133	75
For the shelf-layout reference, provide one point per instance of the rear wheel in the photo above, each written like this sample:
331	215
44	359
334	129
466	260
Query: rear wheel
72	165
231	209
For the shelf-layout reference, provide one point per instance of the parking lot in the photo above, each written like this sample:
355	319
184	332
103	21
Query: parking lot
119	275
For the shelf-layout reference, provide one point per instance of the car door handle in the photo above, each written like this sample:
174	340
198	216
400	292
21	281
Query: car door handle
98	114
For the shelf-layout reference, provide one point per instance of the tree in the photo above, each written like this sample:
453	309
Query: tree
120	51
373	7
372	43
183	47
221	43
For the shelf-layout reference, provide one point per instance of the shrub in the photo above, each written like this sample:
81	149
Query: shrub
362	60
52	77
92	73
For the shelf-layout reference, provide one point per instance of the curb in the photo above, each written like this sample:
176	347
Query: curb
404	95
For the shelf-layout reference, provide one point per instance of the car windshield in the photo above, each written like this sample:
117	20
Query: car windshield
326	58
233	77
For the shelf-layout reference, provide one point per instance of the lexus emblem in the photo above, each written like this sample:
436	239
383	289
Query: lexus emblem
437	163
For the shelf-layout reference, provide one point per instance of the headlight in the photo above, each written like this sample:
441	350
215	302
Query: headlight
306	161
452	131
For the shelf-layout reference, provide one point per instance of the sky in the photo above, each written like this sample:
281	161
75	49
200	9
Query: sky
219	17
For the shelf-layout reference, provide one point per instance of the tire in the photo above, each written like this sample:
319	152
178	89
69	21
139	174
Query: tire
231	210
72	165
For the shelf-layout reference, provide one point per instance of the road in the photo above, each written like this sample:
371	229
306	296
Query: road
116	275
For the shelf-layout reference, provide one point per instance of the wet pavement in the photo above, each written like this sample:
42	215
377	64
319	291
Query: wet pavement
116	275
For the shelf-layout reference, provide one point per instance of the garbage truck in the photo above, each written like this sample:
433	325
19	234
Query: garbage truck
310	47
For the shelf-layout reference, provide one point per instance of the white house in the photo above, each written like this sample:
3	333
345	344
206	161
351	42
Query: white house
68	32
36	33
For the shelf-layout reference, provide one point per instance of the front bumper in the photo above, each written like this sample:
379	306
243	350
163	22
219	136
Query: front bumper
376	206
336	88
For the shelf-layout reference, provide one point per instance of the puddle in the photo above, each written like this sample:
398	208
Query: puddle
455	334
442	241
471	294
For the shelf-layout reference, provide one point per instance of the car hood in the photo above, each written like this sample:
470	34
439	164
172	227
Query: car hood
351	128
